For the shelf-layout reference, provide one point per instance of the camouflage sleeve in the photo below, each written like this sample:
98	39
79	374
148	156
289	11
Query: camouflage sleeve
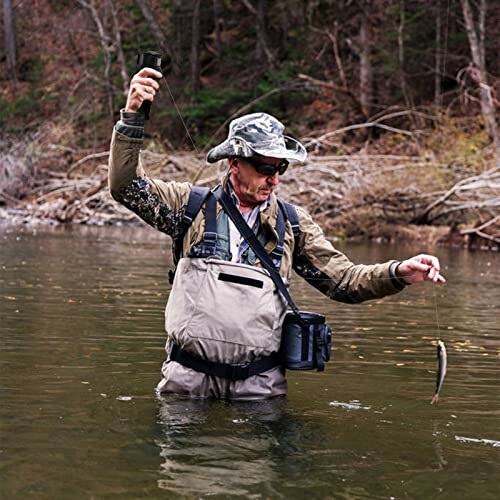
160	204
333	274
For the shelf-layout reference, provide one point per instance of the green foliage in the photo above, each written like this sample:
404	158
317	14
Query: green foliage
206	112
300	37
211	106
14	112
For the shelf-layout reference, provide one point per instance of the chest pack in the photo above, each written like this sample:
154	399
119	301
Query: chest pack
209	244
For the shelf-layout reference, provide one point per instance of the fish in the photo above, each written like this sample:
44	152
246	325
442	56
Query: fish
441	373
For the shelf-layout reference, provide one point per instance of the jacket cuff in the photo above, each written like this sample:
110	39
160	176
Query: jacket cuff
397	282
131	124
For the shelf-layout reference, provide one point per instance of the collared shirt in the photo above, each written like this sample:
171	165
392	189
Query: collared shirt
237	245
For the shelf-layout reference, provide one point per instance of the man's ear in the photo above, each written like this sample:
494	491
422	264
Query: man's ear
233	164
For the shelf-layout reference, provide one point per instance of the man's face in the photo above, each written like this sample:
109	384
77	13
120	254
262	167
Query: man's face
250	187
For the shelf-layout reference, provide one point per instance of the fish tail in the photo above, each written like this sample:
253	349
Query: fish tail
435	398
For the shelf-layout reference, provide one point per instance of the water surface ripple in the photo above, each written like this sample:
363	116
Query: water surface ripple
82	344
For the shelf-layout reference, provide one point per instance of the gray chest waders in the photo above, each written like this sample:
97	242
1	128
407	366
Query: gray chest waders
226	319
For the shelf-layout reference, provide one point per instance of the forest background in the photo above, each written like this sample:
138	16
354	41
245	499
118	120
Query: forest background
396	101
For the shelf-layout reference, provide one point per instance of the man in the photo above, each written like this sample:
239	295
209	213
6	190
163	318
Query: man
224	314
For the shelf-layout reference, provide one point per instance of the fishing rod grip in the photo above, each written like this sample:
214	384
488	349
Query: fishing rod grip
152	60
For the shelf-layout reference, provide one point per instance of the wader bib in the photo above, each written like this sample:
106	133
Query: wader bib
225	313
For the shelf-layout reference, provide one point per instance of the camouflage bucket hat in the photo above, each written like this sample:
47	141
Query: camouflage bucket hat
257	133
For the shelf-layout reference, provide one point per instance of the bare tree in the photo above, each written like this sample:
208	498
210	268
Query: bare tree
365	66
217	25
107	48
119	49
401	53
259	11
438	57
10	39
156	29
476	35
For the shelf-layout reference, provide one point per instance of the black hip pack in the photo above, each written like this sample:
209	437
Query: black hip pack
306	337
306	341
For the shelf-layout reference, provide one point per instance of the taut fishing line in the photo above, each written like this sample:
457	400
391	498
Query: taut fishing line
437	317
180	115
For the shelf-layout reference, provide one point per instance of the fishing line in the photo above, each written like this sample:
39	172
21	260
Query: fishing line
180	115
437	316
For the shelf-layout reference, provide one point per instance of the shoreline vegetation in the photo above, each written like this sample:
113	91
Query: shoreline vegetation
397	188
396	102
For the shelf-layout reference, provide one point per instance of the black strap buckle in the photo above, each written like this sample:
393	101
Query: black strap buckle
209	237
278	251
208	244
187	220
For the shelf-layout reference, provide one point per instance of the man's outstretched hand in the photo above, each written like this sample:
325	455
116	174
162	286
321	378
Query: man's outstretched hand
420	268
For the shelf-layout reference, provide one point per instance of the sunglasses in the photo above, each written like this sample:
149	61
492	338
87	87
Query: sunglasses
267	168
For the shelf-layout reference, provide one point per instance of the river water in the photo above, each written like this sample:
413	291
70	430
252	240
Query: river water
81	345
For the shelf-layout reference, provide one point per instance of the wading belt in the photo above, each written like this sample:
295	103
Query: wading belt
224	370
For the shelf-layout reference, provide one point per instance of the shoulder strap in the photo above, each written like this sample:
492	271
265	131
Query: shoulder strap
291	214
280	228
197	197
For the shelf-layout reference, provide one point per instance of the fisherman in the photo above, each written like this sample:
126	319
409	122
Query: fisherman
224	315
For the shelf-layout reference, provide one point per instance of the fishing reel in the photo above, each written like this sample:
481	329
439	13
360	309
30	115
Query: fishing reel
152	60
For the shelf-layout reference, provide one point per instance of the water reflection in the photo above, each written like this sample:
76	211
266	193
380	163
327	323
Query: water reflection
220	447
82	345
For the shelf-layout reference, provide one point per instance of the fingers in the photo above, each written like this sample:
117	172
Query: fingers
433	268
142	88
149	72
421	268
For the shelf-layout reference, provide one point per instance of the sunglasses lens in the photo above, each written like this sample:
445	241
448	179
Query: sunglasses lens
282	167
267	168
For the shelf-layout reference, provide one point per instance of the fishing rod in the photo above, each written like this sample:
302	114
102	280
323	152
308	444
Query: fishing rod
151	59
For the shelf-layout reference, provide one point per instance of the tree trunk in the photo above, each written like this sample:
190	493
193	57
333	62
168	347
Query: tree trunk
119	49
158	32
476	37
438	58
401	54
106	46
10	39
195	48
180	30
365	67
217	22
263	54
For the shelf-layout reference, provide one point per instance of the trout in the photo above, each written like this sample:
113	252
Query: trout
441	373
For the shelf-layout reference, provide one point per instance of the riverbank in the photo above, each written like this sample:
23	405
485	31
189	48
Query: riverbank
441	189
426	236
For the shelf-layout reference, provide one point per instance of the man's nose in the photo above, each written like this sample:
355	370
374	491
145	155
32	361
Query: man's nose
273	180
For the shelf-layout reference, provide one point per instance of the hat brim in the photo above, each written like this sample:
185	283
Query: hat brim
292	150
